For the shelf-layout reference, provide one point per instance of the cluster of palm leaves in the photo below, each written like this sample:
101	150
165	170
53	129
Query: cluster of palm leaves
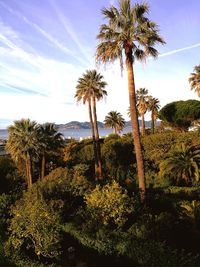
194	80
182	163
115	121
29	142
146	103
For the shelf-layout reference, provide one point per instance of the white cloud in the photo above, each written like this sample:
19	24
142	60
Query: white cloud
70	31
179	50
41	109
44	76
44	33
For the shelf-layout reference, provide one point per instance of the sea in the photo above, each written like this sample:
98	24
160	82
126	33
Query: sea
77	134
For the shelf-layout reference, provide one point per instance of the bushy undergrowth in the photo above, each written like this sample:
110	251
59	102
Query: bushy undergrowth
105	216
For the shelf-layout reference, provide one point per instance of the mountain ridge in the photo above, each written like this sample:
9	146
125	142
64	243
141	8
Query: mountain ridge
86	125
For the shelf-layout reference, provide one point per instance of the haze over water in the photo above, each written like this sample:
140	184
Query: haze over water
74	133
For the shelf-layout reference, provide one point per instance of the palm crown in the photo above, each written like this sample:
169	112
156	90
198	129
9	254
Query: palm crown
91	84
23	140
182	163
194	80
142	100
129	30
115	121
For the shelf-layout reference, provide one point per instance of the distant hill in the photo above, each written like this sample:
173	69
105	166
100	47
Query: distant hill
78	125
86	125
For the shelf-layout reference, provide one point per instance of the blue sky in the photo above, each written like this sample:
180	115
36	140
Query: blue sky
45	46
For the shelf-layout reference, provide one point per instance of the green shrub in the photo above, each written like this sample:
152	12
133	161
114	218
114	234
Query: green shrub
34	226
118	158
109	204
142	252
5	203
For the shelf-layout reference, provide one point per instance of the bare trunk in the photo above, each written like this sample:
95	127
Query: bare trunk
135	125
96	131
29	172
93	137
152	122
143	124
43	167
115	130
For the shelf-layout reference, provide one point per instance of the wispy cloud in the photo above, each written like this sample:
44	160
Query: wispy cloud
40	75
69	29
44	33
21	90
179	50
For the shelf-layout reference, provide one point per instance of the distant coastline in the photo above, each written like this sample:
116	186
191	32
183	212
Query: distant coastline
79	130
86	125
74	133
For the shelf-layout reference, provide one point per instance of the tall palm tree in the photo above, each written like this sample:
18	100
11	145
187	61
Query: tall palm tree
153	107
142	105
23	144
129	31
90	88
115	121
194	80
50	141
182	163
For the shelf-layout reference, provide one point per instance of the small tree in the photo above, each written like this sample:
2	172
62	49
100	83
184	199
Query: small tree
153	107
35	226
115	121
50	141
23	145
194	80
109	204
90	88
142	105
180	114
182	163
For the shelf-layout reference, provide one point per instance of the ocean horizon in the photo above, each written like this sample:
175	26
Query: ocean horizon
77	134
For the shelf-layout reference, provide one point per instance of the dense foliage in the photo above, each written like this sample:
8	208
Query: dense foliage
180	114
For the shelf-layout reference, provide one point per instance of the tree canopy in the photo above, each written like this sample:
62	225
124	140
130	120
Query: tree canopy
194	80
115	121
180	114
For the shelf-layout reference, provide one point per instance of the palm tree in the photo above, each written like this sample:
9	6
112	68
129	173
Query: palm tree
182	163
115	121
129	30
194	80
153	107
89	89
50	141
142	105
23	144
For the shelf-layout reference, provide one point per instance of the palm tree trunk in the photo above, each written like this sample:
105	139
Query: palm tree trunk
143	124
43	167
93	137
29	172
96	131
152	122
135	125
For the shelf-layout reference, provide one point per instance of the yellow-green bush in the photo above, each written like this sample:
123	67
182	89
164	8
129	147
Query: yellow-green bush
109	204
